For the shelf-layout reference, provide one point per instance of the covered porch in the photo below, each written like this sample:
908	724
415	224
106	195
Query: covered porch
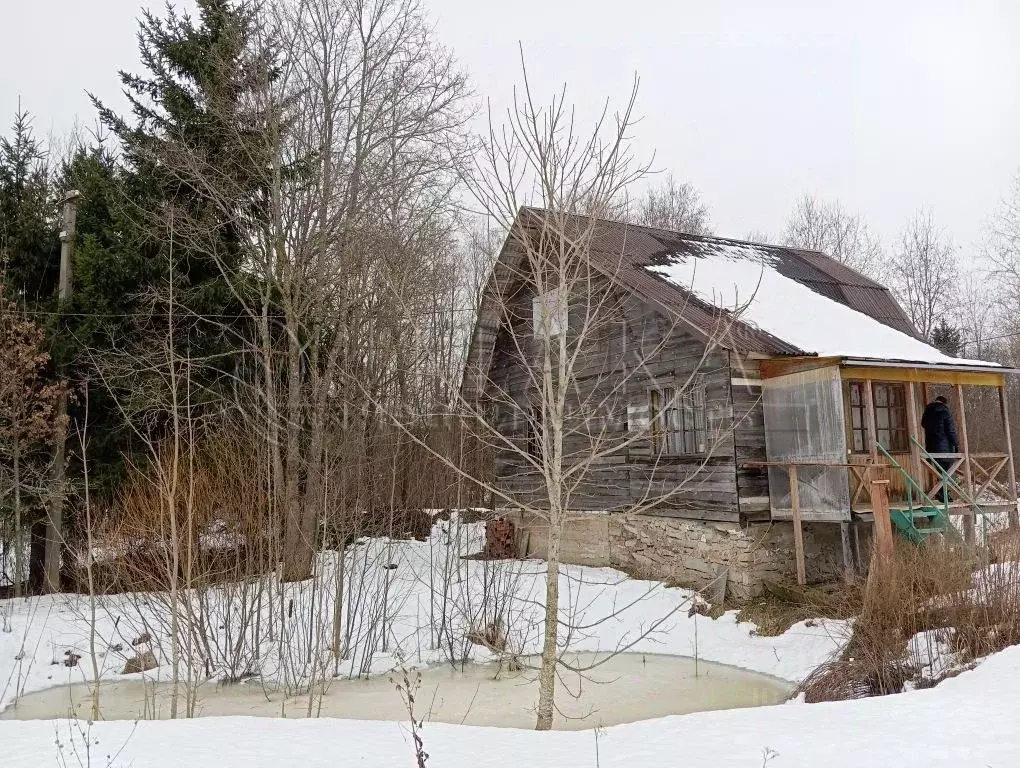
845	445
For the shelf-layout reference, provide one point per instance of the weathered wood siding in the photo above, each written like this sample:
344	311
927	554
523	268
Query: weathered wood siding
749	436
635	350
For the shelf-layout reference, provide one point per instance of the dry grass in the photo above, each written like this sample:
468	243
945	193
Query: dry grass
959	606
492	636
782	606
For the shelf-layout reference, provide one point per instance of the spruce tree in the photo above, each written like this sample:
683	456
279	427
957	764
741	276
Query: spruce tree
29	247
192	128
946	338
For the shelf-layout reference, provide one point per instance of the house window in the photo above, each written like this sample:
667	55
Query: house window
678	420
549	313
890	417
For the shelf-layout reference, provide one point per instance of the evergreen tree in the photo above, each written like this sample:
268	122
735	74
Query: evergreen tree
192	127
29	246
947	338
111	273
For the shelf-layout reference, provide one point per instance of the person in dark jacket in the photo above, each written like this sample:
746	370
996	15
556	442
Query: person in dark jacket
940	430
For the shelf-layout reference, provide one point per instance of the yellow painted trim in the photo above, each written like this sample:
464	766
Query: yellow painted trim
924	376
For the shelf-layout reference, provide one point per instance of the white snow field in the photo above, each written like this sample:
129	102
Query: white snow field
968	720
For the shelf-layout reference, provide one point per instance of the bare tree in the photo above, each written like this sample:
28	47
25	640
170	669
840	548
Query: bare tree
1002	251
758	236
353	130
555	307
828	227
923	273
674	206
976	313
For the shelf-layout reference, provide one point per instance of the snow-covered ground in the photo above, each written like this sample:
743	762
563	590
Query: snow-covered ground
967	720
608	611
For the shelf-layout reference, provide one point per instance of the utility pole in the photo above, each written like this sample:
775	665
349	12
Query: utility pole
55	513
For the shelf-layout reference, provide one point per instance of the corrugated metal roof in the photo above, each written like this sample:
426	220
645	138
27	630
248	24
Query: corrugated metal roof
624	250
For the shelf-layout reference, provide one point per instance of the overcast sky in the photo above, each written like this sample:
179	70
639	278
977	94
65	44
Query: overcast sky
885	105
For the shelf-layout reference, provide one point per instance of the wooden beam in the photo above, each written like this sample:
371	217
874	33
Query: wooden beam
968	477
1010	467
924	375
848	553
869	415
913	427
798	532
772	368
880	510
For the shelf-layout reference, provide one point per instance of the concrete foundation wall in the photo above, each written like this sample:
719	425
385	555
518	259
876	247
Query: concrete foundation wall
691	552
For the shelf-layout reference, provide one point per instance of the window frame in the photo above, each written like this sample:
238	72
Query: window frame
682	429
890	408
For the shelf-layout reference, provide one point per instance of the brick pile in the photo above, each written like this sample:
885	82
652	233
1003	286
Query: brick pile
500	539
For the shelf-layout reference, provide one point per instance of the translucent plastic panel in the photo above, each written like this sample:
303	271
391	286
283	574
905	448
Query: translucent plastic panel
804	422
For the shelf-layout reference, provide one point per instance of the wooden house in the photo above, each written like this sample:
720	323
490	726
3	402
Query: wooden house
774	388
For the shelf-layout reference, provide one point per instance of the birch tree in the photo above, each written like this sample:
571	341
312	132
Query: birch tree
550	184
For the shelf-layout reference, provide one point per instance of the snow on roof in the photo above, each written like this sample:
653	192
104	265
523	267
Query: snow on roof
730	275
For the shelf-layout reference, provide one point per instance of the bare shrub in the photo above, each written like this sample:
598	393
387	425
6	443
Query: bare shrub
926	613
190	543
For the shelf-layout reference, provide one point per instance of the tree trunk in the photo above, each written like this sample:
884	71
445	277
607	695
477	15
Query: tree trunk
547	672
298	547
55	509
19	554
37	557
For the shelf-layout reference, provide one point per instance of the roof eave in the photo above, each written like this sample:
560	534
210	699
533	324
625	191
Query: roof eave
868	362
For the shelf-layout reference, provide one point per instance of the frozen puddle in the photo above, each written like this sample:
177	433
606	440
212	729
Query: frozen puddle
626	688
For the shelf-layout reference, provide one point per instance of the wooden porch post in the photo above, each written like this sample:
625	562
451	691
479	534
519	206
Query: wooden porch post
880	509
879	488
913	427
968	479
798	532
845	537
869	411
1010	468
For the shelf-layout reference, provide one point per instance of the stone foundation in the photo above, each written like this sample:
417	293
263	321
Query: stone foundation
691	552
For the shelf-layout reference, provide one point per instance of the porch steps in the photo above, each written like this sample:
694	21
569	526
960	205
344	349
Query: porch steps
919	523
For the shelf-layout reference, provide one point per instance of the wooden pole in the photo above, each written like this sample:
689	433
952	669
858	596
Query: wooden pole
968	478
798	532
880	509
1014	514
55	508
913	426
848	553
869	411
